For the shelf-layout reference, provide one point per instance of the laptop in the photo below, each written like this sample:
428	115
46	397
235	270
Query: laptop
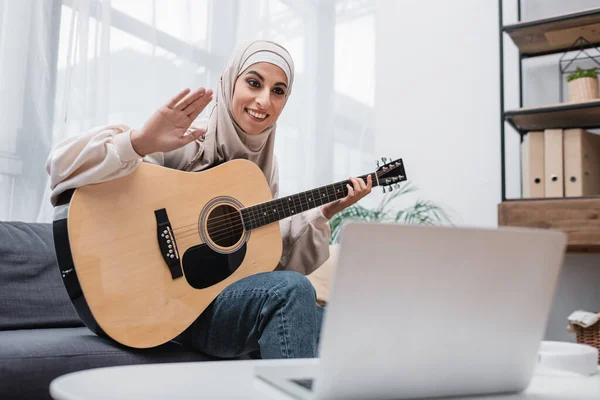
430	311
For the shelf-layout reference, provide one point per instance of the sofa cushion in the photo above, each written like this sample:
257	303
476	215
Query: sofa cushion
31	359
33	294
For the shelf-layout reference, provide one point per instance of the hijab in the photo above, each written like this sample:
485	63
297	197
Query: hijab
225	140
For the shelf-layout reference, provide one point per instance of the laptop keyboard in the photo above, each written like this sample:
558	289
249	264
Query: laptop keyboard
306	383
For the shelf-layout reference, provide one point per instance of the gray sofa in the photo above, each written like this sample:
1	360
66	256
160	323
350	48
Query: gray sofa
41	336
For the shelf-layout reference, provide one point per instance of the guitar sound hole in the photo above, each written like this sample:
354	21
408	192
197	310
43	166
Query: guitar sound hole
224	226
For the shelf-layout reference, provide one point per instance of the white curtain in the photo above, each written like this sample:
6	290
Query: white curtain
116	61
28	39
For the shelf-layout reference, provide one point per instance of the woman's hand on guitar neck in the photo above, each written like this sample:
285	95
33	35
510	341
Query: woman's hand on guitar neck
357	191
166	128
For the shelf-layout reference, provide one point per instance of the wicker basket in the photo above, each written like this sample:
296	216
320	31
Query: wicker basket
588	335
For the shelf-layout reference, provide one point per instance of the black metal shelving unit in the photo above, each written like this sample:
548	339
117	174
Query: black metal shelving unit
537	38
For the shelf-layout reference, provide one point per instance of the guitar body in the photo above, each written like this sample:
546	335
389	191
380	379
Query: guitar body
112	244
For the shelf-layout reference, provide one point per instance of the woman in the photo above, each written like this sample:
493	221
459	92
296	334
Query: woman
274	312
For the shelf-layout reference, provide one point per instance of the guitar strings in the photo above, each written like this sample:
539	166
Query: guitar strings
230	225
236	212
256	216
211	222
226	227
213	219
238	225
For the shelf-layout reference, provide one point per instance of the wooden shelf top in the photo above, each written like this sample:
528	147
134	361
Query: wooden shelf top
578	217
555	34
585	115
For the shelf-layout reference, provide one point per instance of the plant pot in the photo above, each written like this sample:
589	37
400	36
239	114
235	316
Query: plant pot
583	89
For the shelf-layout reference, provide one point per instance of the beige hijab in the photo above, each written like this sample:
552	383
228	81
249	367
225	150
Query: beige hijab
224	139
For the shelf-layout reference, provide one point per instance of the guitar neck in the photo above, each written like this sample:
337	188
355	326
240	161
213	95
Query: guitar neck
266	213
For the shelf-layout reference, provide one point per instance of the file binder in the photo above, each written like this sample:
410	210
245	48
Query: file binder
532	165
582	163
553	163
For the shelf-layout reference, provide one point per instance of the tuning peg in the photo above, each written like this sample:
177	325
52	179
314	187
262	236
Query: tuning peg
397	186
377	163
391	188
384	160
383	188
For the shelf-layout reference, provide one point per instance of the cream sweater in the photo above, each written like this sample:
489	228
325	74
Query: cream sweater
105	153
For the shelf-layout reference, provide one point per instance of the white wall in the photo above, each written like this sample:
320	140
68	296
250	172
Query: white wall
437	101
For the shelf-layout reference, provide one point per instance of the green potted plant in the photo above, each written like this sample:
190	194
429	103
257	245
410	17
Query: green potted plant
422	212
583	85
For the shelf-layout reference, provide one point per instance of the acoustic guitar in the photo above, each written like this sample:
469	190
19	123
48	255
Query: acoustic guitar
142	256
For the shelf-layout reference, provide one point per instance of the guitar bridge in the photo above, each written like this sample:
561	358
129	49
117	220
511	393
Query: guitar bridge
166	243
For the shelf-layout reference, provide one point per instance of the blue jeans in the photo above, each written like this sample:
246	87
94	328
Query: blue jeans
273	312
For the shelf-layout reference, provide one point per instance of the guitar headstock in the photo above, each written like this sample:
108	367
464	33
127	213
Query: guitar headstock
391	173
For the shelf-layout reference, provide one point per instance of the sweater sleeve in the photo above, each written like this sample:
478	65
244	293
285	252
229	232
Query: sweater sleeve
101	154
305	236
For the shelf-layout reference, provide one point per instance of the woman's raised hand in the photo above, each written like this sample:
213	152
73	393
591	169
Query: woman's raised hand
166	128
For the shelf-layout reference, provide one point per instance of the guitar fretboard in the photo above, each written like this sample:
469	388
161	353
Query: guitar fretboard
266	213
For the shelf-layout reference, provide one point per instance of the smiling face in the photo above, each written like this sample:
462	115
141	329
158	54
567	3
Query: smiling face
259	96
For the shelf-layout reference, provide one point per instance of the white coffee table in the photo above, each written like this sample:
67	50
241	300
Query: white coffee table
235	380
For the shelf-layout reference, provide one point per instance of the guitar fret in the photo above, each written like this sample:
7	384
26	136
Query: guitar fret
288	200
263	214
245	222
294	203
270	212
278	209
308	207
304	203
257	215
273	211
251	221
340	191
300	202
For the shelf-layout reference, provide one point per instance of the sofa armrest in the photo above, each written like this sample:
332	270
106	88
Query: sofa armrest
321	277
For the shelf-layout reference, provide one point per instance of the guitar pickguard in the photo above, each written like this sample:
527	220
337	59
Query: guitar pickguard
204	267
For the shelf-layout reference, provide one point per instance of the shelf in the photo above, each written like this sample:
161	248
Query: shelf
578	217
555	34
585	115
